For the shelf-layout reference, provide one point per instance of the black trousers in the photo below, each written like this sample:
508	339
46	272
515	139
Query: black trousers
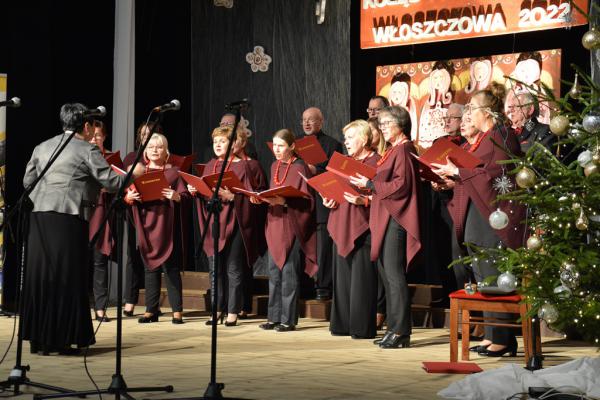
284	287
324	257
232	262
174	287
380	293
354	291
479	232
392	268
134	268
100	280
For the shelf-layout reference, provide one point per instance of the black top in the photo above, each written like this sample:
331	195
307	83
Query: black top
534	131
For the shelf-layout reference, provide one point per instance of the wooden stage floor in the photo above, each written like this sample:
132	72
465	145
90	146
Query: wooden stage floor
254	364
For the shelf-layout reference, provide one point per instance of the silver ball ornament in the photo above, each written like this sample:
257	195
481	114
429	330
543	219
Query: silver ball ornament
584	158
591	39
548	313
559	125
525	178
591	122
507	281
576	131
562	291
569	276
534	243
498	219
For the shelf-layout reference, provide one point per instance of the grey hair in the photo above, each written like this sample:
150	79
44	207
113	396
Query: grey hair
400	116
71	117
528	98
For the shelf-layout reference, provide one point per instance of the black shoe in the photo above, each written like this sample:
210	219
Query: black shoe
511	350
230	323
478	349
267	326
285	328
145	320
323	294
384	338
394	341
220	319
243	315
177	321
128	313
103	318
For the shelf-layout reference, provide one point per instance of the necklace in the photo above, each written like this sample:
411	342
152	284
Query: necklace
475	145
285	173
226	168
148	168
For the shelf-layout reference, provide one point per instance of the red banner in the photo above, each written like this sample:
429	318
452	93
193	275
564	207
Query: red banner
385	23
426	89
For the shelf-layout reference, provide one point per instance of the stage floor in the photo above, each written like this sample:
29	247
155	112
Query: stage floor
255	364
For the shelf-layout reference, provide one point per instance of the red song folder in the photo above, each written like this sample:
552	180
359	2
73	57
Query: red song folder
451	367
183	162
309	149
114	159
283	191
346	167
197	183
438	153
151	184
331	186
199	169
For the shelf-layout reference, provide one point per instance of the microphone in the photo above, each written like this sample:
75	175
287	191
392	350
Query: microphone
14	102
99	111
243	104
174	105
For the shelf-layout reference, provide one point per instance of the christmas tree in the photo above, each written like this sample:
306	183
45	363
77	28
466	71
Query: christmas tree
558	271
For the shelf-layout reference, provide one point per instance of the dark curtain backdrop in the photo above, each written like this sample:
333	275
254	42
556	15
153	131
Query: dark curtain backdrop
310	67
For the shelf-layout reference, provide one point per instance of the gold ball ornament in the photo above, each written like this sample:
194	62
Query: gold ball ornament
534	243
591	39
559	125
576	89
590	169
596	158
525	178
581	223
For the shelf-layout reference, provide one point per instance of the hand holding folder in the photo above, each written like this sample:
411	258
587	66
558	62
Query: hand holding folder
205	185
150	185
441	151
281	191
331	186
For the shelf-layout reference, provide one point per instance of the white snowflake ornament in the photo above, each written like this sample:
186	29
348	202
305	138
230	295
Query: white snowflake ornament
258	60
503	184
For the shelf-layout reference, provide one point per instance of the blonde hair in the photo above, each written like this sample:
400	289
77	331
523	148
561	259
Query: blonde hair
240	134
163	140
374	124
362	129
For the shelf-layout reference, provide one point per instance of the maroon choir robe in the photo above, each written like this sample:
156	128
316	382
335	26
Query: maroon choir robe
295	222
105	241
240	210
476	185
348	222
157	223
396	195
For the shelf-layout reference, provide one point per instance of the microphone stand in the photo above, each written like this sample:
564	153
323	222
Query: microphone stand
213	390
117	386
18	375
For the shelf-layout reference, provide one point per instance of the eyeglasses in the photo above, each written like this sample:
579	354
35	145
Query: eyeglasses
226	124
447	119
308	121
371	110
385	124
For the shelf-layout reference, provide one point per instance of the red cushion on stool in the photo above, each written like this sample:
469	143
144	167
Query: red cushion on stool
461	294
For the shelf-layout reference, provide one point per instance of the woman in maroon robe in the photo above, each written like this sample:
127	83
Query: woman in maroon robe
134	266
354	278
104	244
160	236
474	199
394	221
237	243
291	227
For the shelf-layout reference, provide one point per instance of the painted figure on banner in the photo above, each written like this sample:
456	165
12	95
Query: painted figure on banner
431	125
527	77
400	95
480	74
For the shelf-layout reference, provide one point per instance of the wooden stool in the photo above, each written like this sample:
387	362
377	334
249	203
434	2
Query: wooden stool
465	303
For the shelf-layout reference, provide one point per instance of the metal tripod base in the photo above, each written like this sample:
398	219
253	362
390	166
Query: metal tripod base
117	386
534	363
213	392
18	377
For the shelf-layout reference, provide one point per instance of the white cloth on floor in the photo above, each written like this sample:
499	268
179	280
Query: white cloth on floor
577	376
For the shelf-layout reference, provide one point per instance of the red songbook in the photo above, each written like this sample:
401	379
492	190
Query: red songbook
438	153
230	180
114	159
150	185
199	169
197	183
451	367
346	167
331	186
183	162
309	149
283	191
